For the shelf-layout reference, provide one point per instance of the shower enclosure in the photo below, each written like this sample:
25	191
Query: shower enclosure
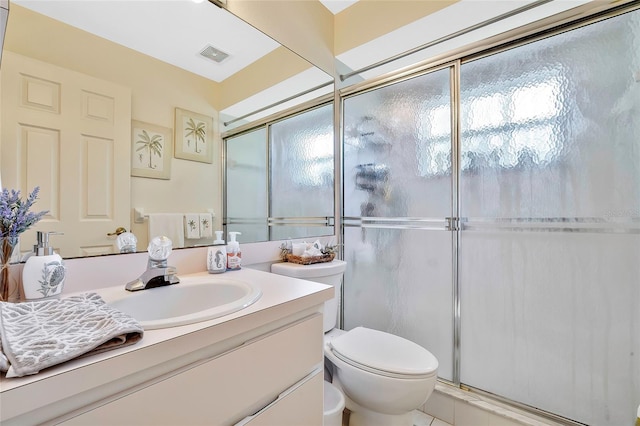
492	215
279	178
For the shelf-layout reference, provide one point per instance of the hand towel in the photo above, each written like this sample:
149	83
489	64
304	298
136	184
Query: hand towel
206	225
40	334
168	224
192	226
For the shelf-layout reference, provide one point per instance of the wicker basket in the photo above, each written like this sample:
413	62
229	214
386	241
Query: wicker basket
310	259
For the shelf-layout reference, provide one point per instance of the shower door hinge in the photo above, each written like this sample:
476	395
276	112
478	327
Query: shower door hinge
453	224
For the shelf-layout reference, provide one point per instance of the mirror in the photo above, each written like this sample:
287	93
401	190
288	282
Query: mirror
74	103
280	178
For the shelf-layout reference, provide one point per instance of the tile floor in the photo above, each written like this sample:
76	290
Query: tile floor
419	419
422	419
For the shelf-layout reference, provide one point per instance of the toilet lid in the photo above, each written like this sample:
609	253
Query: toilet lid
384	353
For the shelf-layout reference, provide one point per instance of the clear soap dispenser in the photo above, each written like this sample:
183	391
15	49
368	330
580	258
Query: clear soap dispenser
44	272
234	254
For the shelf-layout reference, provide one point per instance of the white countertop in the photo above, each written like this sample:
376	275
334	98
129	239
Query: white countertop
281	296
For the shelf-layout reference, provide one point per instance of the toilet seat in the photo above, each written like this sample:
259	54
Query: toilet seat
384	354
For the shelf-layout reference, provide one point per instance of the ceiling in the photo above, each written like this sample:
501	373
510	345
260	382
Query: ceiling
456	17
336	6
157	28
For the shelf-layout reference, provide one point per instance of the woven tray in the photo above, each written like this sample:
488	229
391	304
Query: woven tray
310	259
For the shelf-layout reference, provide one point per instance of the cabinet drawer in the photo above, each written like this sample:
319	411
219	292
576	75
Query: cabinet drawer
299	405
225	389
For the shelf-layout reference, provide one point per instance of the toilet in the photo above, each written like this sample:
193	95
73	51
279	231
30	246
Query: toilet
383	377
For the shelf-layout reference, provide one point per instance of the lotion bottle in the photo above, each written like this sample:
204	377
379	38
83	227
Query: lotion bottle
234	254
44	271
217	255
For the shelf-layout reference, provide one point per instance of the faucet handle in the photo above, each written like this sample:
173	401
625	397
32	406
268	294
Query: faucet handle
159	248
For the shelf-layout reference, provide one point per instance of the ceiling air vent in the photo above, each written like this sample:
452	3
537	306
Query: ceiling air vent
214	54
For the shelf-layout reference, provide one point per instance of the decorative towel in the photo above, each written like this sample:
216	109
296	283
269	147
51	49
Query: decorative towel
192	226
40	334
206	224
167	224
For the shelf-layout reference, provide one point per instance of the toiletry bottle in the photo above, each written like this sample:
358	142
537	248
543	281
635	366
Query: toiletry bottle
234	255
217	255
44	272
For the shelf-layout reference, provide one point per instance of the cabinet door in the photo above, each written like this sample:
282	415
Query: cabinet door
300	405
223	390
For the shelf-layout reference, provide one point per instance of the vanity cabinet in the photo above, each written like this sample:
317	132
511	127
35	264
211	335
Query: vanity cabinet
262	365
275	378
291	407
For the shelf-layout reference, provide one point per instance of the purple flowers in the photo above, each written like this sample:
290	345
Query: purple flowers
15	217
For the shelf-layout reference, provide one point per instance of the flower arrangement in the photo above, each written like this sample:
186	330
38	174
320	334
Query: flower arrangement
15	218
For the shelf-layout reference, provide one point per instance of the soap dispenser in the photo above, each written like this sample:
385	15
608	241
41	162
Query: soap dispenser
217	255
234	255
44	272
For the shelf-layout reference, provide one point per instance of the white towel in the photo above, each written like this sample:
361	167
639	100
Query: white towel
192	226
37	335
206	225
167	224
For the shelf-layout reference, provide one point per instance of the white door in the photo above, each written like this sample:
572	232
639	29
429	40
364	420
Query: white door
69	134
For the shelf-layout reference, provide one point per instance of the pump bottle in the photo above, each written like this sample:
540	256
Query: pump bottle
44	272
217	255
234	254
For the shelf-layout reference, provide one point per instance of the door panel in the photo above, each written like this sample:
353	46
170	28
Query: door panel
397	198
550	201
68	133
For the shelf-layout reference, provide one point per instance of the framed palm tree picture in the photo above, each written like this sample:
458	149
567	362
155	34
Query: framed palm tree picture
193	136
151	148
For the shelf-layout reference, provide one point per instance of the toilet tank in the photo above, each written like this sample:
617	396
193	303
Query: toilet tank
329	273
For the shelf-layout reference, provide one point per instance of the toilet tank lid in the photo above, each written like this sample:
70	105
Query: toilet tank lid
385	352
309	271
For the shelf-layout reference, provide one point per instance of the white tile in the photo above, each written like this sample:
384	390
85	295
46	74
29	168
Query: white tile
421	419
440	406
468	415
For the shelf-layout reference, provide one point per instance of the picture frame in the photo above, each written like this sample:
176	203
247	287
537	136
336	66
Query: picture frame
151	150
193	136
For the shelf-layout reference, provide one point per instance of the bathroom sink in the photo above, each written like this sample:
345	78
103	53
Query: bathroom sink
192	300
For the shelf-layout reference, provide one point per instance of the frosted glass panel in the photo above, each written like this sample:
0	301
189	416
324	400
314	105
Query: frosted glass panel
397	169
551	129
302	171
399	281
555	322
397	149
246	185
550	136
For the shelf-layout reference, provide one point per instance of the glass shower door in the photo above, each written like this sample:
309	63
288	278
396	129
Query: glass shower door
301	173
397	198
550	206
246	185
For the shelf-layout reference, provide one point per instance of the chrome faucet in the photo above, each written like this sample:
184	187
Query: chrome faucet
158	273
